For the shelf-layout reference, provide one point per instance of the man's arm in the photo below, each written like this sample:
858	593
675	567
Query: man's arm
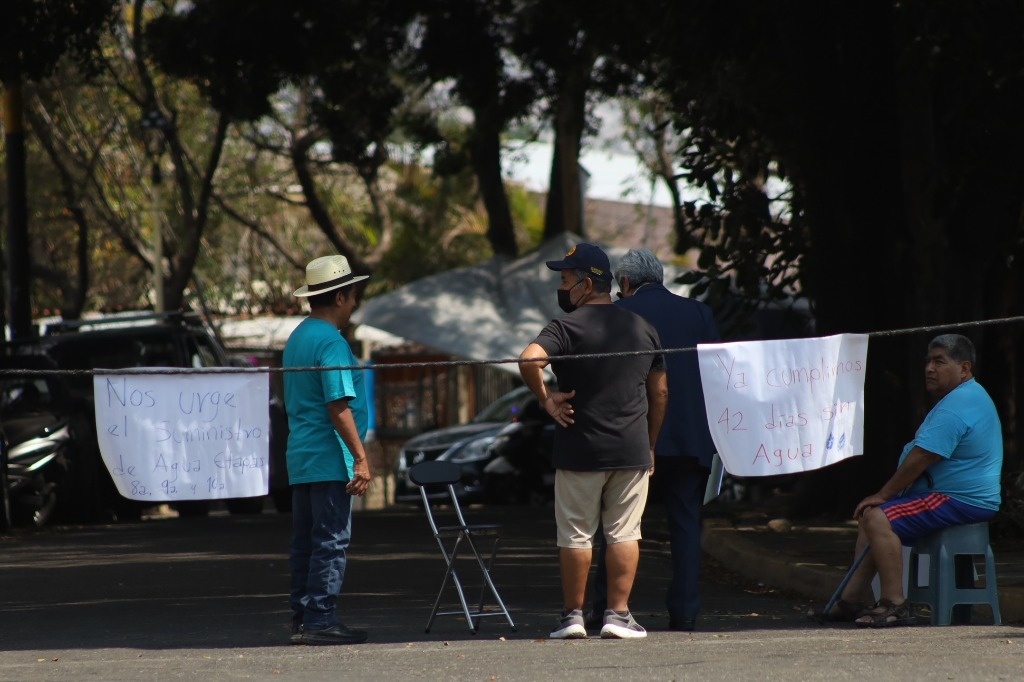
657	399
917	462
532	362
345	425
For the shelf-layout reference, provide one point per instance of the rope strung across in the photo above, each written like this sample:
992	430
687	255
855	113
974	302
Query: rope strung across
441	363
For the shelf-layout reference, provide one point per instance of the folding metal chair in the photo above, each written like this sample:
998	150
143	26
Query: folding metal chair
434	475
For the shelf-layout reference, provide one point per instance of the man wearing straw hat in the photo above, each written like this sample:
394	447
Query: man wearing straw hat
327	465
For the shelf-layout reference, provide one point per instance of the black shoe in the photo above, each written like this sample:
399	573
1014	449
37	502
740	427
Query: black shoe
339	634
682	624
297	630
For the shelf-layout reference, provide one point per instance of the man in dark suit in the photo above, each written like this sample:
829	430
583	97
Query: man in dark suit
684	449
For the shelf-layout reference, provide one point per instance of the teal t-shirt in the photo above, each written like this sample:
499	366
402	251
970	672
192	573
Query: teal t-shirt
963	428
316	452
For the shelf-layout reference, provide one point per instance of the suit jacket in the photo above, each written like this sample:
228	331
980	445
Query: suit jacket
681	323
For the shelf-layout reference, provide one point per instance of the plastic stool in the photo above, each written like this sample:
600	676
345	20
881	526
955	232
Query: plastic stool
951	572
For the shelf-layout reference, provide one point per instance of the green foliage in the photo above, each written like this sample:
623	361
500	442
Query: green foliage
438	228
236	69
528	216
897	127
36	34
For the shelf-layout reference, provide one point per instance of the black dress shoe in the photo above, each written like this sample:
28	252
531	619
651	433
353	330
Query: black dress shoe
682	624
338	634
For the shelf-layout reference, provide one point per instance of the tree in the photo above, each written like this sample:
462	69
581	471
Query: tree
576	53
468	43
91	135
889	121
341	60
36	34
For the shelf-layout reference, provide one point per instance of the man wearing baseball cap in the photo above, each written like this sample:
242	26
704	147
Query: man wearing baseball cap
609	410
327	465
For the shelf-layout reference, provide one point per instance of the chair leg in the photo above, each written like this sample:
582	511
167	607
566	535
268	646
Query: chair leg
483	584
440	593
991	586
472	622
450	573
490	583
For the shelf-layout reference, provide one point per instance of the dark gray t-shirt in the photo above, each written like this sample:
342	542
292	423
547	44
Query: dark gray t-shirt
611	394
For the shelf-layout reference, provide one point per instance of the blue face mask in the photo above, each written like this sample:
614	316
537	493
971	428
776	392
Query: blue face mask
565	300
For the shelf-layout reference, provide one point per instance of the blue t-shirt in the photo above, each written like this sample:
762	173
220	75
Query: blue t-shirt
963	428
316	452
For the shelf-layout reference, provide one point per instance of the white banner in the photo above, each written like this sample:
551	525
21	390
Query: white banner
779	407
168	437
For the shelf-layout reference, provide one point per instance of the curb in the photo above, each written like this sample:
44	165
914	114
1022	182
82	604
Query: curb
786	572
776	569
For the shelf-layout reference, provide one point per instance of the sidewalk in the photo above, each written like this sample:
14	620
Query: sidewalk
810	560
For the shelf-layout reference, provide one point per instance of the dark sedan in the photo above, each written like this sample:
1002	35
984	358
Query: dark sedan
504	452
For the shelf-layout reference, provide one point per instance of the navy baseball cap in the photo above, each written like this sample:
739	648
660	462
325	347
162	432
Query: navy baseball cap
586	257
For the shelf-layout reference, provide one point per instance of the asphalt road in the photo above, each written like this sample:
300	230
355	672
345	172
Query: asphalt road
186	599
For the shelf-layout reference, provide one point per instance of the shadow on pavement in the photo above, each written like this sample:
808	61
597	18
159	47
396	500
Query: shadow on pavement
221	582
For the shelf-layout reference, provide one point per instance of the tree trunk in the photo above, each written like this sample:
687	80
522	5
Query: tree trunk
564	210
19	287
195	212
486	158
316	207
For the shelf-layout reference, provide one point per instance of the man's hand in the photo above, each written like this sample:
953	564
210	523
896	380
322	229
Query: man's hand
559	408
361	478
867	503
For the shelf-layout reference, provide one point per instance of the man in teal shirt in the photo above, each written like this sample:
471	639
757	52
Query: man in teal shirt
948	475
327	465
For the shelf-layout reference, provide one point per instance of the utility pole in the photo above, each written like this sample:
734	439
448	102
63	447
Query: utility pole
19	298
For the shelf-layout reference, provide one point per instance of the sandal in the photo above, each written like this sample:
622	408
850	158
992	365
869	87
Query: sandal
841	612
886	614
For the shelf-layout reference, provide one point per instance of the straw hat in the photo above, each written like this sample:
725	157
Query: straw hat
327	273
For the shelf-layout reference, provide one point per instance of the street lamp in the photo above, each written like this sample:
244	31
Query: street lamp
154	128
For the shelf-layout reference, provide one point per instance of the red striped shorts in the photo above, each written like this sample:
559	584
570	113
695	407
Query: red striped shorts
919	514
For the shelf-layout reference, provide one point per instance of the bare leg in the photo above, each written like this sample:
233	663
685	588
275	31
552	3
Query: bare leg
858	589
886	552
622	559
575	566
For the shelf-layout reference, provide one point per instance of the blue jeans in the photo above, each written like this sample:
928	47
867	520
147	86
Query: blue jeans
321	530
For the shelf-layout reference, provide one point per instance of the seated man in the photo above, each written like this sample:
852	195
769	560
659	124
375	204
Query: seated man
948	475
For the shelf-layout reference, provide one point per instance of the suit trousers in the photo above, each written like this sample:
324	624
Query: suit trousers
679	484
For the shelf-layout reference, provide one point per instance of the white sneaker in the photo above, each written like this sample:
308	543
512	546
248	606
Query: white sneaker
570	626
621	627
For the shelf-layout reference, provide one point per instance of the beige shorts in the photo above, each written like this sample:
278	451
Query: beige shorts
585	500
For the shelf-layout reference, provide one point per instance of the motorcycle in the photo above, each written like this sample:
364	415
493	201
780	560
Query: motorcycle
34	446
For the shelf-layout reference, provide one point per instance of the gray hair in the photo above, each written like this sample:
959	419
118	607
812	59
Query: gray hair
641	266
957	347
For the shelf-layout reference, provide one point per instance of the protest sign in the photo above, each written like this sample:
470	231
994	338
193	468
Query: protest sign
167	437
779	407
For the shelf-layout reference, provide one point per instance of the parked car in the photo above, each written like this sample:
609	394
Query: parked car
143	340
504	453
